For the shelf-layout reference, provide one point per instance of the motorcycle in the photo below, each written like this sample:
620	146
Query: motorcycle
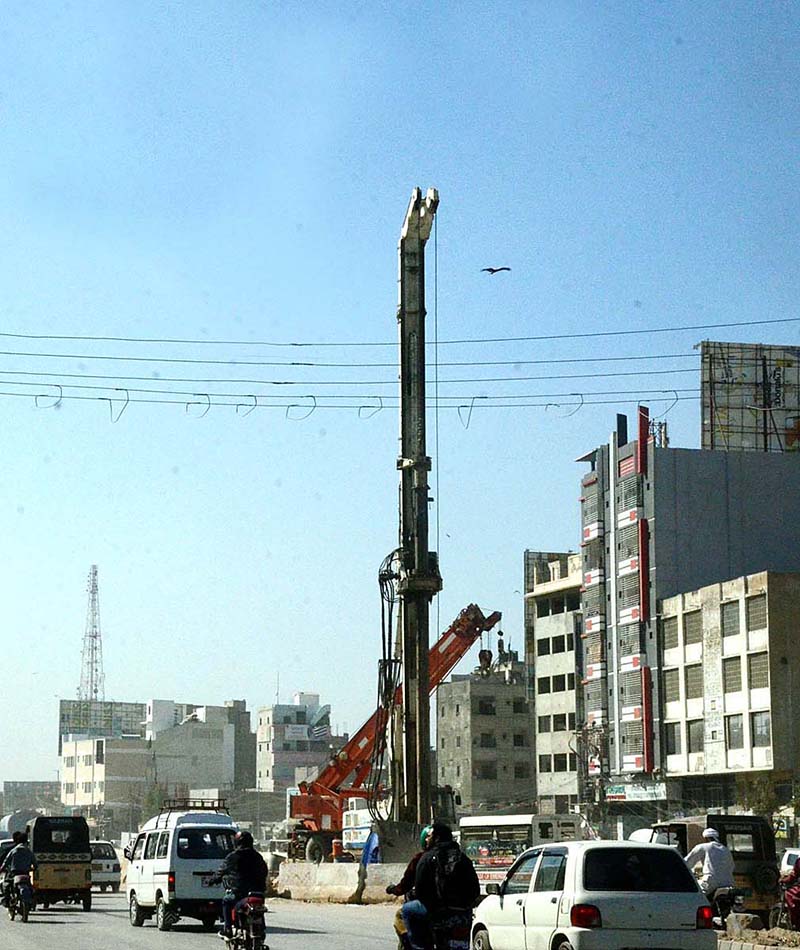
249	929
451	931
779	915
726	900
20	897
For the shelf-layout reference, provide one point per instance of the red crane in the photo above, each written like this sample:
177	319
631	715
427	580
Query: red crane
320	805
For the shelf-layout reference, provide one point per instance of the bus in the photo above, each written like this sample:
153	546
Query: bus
493	842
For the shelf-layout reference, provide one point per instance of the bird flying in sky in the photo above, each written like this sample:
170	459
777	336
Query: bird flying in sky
494	270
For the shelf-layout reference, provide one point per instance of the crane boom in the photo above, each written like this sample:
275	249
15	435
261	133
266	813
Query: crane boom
320	803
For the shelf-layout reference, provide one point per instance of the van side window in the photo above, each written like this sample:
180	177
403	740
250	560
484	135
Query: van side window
163	845
150	850
138	848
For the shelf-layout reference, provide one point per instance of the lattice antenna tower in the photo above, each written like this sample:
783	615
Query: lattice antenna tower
92	677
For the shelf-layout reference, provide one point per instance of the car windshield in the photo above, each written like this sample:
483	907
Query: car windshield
204	842
636	869
103	851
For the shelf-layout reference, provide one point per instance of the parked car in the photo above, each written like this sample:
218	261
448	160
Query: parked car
790	855
105	865
595	895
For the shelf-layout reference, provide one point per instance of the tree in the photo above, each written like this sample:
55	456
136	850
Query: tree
759	793
151	801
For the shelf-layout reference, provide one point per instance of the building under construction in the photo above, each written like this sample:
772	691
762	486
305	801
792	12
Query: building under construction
750	397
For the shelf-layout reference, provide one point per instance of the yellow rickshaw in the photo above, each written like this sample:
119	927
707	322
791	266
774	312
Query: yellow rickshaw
61	846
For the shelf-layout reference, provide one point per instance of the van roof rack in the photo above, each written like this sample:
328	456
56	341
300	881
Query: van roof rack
169	805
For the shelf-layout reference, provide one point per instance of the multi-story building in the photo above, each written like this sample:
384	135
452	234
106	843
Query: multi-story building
553	625
729	655
293	742
485	737
107	780
656	522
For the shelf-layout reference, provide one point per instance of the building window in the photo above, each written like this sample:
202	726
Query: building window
488	740
559	645
573	762
672	738
522	770
759	729
560	762
559	683
87	760
543	647
734	732
732	674
458	742
520	707
571	720
87	787
69	762
99	752
756	612
570	642
694	681
669	632
694	731
484	770
729	618
693	627
672	686
458	771
441	712
520	740
442	741
545	763
486	707
758	670
570	681
458	709
543	685
560	722
544	724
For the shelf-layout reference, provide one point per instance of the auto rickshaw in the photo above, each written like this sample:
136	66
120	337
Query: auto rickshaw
751	841
61	846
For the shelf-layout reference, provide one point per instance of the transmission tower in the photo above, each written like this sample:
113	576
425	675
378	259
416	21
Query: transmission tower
92	676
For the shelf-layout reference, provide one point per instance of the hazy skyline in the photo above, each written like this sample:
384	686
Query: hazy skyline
215	172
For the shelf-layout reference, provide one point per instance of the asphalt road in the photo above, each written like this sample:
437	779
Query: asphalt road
291	925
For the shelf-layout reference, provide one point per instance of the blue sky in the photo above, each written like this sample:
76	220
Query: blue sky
240	172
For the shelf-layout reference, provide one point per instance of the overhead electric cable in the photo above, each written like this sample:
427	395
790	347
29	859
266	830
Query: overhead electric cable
328	343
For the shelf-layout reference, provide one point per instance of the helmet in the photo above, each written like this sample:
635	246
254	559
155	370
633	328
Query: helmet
423	835
711	834
18	837
243	839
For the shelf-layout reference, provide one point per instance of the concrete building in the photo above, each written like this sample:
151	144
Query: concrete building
485	737
293	742
729	655
239	743
553	626
657	522
107	781
36	796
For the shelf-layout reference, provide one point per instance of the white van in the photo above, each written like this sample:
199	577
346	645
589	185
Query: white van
171	860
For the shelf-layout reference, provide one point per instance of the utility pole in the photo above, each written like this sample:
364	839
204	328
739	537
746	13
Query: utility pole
419	577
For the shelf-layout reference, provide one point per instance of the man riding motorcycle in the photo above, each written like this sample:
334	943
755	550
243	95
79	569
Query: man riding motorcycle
243	871
19	860
405	886
717	863
445	886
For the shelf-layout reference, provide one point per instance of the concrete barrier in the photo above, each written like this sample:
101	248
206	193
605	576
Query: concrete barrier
338	883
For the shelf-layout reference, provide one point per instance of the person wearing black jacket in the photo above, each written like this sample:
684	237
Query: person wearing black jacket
243	871
445	882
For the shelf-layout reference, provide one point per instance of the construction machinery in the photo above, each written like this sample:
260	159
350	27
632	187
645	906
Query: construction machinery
320	806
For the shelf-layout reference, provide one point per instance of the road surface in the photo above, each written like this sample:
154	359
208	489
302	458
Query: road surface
291	925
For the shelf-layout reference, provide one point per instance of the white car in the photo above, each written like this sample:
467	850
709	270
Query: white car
105	865
790	855
595	895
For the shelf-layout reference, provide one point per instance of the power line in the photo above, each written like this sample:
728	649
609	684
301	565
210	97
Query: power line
510	339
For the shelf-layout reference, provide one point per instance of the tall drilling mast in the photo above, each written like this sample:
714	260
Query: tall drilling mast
92	676
419	577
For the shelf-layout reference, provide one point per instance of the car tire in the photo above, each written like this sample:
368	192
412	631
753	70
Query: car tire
315	850
135	913
164	919
115	888
480	940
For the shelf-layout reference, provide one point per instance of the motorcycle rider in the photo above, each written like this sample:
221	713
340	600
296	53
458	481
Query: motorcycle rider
19	860
445	883
405	886
717	863
243	871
